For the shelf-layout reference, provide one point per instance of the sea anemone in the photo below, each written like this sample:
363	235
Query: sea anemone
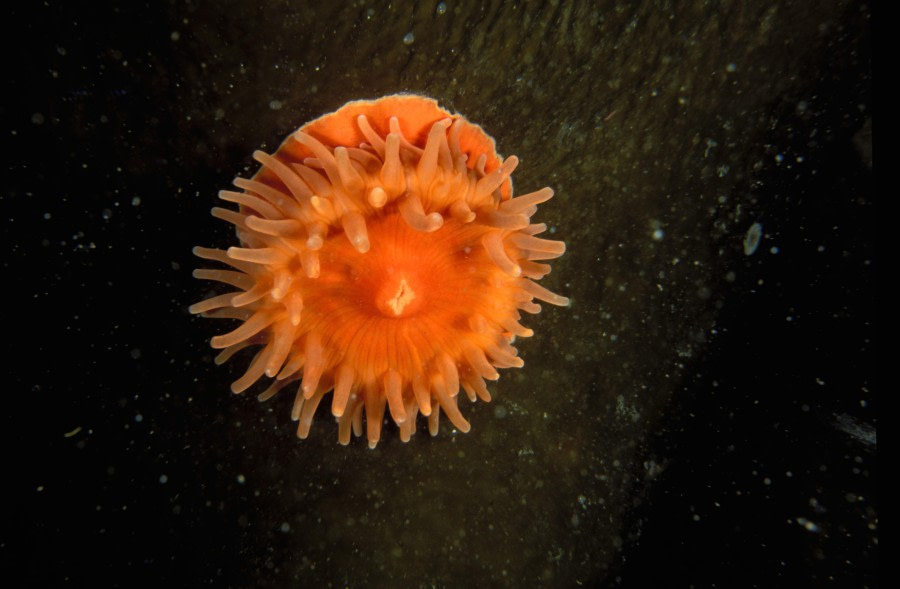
382	258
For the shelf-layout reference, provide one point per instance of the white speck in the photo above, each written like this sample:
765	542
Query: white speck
275	104
658	235
731	68
138	418
241	479
136	201
163	479
752	239
409	38
810	526
285	527
441	8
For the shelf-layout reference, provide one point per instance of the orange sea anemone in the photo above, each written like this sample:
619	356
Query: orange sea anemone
382	257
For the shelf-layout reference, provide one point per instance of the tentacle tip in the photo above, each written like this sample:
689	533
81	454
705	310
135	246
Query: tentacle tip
435	221
377	197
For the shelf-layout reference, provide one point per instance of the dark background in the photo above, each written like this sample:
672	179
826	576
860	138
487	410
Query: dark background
762	473
770	475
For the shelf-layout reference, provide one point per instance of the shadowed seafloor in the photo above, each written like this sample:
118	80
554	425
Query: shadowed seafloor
666	129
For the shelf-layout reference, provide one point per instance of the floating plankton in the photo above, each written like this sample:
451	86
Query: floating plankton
382	257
